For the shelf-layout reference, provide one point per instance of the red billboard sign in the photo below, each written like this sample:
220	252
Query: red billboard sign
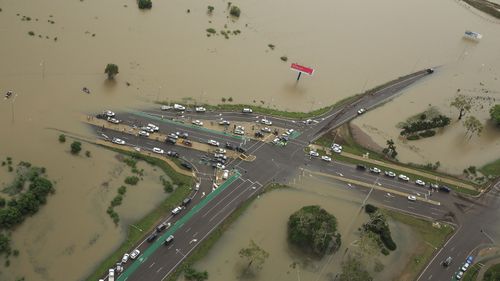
302	69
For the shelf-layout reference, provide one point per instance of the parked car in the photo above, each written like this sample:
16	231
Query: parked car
165	107
152	237
143	133
220	150
200	109
465	266
434	186
230	146
313	153
172	153
361	111
176	210
239	132
361	167
113	120
375	170
125	258
403	177
118	141
213	143
412	198
444	188
169	240
147	129
109	113
187	143
266	122
182	135
186	201
162	227
240	149
265	130
247	110
390	174
224	122
197	123
179	107
447	261
337	150
336	145
420	182
135	253
170	140
158	150
154	127
259	134
459	275
326	158
187	165
173	136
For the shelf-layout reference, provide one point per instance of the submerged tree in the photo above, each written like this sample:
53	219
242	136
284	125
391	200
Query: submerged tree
111	70
255	255
473	126
353	270
495	113
390	150
463	104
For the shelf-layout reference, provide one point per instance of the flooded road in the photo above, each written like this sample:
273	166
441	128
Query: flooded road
164	54
265	221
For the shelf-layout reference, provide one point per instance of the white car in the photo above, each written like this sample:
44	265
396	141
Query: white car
220	150
420	182
375	170
390	174
459	275
289	131
337	150
412	198
200	109
143	133
135	253
113	120
197	123
336	145
125	258
176	210
361	111
173	136
224	122
403	177
148	129
154	127
276	141
118	141
213	142
179	107
220	166
247	110
266	122
165	107
266	130
158	150
313	153
465	267
109	113
239	132
111	274
326	158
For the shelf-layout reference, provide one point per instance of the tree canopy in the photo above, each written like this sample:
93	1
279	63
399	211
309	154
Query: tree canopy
314	230
255	255
473	126
111	70
145	4
495	113
463	104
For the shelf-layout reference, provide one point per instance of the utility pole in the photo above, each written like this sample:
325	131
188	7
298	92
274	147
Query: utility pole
42	64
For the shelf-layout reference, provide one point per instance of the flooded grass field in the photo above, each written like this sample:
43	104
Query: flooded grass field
165	54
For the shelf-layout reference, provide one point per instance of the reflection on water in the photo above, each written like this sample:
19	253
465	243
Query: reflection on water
265	222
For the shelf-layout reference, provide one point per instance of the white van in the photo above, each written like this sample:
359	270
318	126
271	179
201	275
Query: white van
111	275
179	107
154	127
225	174
247	110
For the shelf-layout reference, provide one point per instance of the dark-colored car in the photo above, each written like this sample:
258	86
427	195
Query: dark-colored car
187	143
172	153
444	188
187	165
170	141
161	227
259	135
240	149
447	261
152	237
361	167
186	201
230	146
101	116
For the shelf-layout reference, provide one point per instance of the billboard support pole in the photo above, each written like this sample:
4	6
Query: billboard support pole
298	77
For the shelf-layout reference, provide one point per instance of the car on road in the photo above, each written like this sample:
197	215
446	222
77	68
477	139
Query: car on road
230	146
197	123
109	113
247	110
266	122
162	226
200	109
447	261
179	107
220	166
326	158
148	129
118	141
172	135
186	201
165	107
430	70
172	153
213	142
187	143
152	237
412	198
125	258
220	156
143	133
113	120
465	266
182	135
375	170
187	165
176	210
444	188
403	177
420	182
434	186
390	174
265	130
220	151
170	140
337	150
135	253
313	153
361	111
154	127
239	132
470	259
361	167
224	122
459	275
169	239
158	150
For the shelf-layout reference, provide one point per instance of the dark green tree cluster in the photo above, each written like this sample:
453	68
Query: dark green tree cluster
495	113
132	180
314	230
76	147
254	255
235	11
26	204
425	125
112	69
145	4
390	150
379	226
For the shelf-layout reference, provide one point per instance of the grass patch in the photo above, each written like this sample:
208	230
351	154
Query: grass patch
472	273
147	223
433	238
491	169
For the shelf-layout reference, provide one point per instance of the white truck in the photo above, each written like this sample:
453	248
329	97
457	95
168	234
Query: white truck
179	107
111	275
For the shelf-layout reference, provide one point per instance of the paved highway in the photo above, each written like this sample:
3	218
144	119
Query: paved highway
274	164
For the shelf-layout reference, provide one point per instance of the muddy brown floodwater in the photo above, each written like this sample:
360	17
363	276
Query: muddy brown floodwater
265	222
164	54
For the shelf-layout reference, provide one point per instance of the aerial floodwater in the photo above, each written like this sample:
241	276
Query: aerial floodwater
53	55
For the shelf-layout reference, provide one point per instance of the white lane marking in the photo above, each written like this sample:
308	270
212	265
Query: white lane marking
159	269
152	265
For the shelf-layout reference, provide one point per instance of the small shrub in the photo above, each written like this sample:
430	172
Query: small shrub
145	4
15	253
133	180
117	201
223	99
385	252
211	30
235	11
427	133
230	99
31	33
76	147
369	208
87	153
2	202
62	138
7	263
122	190
3	163
284	58
10	169
413	137
210	9
271	46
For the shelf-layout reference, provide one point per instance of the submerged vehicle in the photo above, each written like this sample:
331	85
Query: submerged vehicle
472	35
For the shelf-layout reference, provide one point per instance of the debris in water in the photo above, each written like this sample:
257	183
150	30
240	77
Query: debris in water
86	90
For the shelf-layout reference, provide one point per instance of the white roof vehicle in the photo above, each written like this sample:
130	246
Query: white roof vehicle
200	109
125	258
326	158
158	150
361	111
220	150
165	107
135	253
403	177
118	141
143	133
313	153
420	182
213	142
247	110
266	130
197	122
176	210
154	127
113	120
109	113
179	107
266	122
412	198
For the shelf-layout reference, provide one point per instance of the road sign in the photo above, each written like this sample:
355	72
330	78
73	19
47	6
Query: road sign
302	69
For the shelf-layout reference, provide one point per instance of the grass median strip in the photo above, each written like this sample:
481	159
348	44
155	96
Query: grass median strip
159	242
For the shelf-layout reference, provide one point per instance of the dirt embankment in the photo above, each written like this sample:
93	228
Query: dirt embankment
492	9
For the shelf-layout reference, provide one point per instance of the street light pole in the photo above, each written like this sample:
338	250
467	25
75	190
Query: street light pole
42	64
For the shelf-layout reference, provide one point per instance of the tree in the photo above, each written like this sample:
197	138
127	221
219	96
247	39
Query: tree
473	126
194	275
463	104
495	113
255	256
353	270
145	4
235	11
111	69
4	243
391	149
210	9
76	147
62	138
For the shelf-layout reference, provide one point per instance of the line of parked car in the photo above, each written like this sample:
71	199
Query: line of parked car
462	269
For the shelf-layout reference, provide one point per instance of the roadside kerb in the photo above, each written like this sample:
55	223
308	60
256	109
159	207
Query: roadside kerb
159	242
155	117
378	187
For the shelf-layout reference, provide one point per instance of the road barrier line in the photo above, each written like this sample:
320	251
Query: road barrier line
159	242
